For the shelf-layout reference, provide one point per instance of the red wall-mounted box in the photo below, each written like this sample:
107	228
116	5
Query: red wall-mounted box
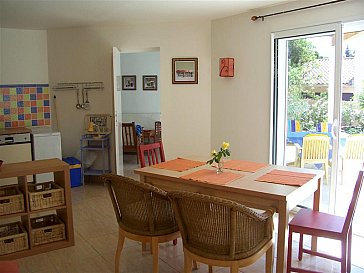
226	67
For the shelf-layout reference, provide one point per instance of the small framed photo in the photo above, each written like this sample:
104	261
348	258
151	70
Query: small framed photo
129	82
150	82
184	70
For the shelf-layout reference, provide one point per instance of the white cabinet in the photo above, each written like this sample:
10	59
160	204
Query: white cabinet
46	145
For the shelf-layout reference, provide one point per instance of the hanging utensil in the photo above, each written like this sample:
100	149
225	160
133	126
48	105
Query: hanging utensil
83	99
78	105
87	103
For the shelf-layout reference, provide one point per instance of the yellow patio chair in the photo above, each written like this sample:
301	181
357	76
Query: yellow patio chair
315	149
354	150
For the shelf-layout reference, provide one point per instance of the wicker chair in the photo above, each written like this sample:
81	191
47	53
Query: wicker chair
144	213
220	232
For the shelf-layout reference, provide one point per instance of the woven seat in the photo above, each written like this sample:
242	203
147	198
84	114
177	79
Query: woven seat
144	213
220	232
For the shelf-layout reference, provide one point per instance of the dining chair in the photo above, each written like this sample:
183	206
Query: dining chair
130	139
154	153
315	149
354	151
220	232
157	131
325	225
144	213
151	154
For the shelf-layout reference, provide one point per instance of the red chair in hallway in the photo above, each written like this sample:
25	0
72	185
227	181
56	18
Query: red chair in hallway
328	226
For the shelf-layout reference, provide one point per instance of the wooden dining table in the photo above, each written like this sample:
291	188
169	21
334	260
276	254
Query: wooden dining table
249	191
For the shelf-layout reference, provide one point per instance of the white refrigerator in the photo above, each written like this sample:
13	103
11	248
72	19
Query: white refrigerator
46	145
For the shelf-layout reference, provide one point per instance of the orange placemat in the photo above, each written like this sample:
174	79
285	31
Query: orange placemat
210	176
179	164
295	174
286	178
245	166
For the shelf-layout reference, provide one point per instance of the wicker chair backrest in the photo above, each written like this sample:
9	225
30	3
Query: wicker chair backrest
140	208
220	229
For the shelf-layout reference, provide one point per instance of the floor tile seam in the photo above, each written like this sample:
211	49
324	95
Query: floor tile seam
89	244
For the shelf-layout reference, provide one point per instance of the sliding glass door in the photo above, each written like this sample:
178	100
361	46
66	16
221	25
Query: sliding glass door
318	76
307	99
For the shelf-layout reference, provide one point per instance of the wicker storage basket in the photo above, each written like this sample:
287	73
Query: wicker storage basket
11	200
45	195
47	229
13	238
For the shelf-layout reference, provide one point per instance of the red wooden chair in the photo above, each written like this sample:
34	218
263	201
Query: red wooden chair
325	225
153	152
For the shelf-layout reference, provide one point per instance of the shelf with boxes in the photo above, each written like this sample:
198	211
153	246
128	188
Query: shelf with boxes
35	218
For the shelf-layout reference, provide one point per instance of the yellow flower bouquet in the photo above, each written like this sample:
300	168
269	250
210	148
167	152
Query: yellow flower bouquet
217	156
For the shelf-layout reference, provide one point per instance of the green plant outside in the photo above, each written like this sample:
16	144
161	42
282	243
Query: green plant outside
307	106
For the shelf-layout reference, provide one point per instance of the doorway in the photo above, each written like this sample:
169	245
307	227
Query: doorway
140	104
319	89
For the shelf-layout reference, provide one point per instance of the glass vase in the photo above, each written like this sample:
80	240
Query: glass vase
220	167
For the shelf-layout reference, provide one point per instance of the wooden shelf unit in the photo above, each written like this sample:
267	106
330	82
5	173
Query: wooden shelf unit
62	178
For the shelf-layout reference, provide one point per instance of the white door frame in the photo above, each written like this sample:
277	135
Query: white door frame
117	112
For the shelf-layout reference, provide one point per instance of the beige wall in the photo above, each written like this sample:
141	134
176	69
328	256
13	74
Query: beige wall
85	54
241	105
23	57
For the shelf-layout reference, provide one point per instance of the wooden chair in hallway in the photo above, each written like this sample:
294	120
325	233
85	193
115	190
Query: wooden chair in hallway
144	213
130	139
157	131
325	225
315	149
220	232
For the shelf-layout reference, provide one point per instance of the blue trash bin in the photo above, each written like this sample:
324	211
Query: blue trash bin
75	171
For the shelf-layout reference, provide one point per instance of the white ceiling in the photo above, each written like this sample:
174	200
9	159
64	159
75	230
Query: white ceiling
48	14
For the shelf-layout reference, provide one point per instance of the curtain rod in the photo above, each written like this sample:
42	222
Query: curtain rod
255	18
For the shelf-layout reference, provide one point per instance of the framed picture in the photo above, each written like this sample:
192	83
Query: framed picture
129	82
184	70
150	82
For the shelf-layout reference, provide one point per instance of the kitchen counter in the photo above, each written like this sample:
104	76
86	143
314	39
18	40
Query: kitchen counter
47	130
11	131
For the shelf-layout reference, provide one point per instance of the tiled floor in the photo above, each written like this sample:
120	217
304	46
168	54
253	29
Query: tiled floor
96	229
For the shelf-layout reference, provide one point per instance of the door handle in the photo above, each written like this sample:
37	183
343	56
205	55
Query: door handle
334	129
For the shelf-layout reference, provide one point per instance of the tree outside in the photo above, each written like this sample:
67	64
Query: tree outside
308	105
